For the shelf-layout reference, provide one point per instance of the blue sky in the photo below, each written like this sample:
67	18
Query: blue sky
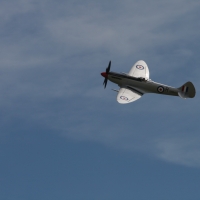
62	136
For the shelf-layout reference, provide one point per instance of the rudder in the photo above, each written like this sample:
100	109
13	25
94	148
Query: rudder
187	90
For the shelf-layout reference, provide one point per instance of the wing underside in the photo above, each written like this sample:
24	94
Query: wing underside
126	95
140	69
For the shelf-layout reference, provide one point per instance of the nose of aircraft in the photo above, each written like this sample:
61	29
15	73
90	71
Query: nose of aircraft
104	74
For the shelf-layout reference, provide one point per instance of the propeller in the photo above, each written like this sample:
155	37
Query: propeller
105	74
108	68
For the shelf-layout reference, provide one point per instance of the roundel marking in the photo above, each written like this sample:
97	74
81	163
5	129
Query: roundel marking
140	67
124	98
160	89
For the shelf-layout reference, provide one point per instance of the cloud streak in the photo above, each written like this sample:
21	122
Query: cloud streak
51	63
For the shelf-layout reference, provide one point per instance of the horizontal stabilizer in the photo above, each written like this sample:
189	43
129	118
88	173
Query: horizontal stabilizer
187	90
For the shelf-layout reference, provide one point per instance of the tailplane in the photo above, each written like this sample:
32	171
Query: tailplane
187	90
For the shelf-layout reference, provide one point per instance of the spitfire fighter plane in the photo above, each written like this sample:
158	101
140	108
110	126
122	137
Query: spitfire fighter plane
136	83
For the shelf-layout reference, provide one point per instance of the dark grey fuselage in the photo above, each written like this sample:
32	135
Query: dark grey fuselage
140	85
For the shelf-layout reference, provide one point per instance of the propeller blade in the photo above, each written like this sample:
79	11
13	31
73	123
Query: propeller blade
108	68
105	82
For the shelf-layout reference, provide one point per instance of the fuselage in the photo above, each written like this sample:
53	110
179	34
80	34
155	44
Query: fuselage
140	85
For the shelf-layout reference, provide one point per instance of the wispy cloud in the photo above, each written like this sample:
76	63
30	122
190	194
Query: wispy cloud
183	151
51	55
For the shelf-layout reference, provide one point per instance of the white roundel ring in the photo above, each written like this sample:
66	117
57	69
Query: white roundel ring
124	98
140	67
160	89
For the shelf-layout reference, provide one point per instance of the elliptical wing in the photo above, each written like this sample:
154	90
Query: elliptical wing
139	69
127	96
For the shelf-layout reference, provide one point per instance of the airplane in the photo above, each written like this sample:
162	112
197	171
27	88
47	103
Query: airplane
137	83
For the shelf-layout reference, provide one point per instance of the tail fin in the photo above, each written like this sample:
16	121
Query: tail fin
187	90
